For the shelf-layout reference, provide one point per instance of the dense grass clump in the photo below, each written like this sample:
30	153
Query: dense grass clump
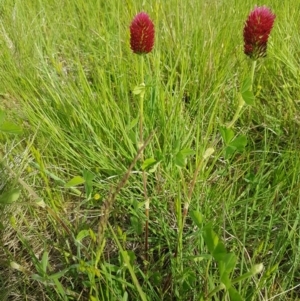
78	166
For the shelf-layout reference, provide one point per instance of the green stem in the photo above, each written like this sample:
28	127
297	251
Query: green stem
252	74
142	101
200	166
237	113
217	289
256	269
128	265
241	100
147	202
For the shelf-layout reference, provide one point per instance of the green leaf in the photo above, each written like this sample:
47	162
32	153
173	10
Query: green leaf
248	98
60	288
176	146
227	134
154	167
92	235
224	278
88	175
156	278
187	152
131	256
128	258
239	142
229	151
226	263
44	261
234	295
140	89
229	260
211	239
88	185
246	92
10	196
197	218
246	85
147	163
75	182
58	274
133	123
38	278
82	234
180	158
271	270
10	128
214	245
178	212
136	225
125	297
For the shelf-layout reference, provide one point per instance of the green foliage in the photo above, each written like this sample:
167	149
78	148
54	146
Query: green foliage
226	265
8	127
10	196
181	157
77	180
67	86
233	144
246	91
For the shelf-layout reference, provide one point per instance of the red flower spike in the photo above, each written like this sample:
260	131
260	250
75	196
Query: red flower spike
141	34
257	30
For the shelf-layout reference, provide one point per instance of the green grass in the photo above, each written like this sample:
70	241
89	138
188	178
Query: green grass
67	76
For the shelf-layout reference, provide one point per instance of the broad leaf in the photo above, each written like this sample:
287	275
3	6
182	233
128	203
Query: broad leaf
139	90
75	182
10	196
133	123
10	128
147	163
197	218
214	245
248	98
88	185
82	234
136	225
229	151
246	85
181	156
227	134
246	92
226	262
229	260
239	142
234	295
44	261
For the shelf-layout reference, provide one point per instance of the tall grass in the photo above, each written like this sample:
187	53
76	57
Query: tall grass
67	76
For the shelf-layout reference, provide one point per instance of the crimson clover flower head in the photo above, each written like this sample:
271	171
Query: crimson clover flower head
257	30
142	34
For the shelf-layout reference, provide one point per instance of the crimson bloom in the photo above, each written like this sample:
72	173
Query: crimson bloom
257	30
142	34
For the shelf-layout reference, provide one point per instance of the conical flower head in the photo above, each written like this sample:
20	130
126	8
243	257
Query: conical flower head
257	30
142	34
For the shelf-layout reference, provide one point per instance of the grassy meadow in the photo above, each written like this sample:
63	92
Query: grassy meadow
75	173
